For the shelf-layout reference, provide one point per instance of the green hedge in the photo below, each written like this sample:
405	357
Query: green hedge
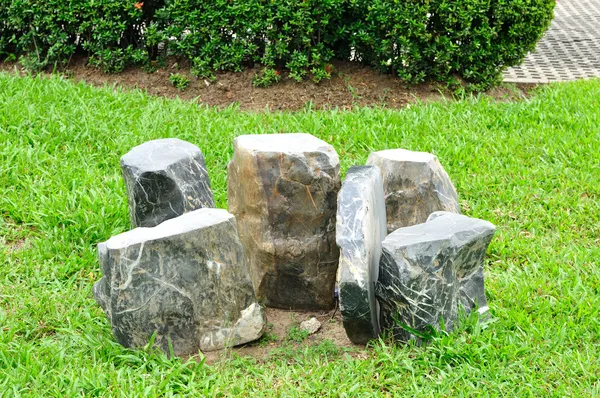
416	40
439	39
49	32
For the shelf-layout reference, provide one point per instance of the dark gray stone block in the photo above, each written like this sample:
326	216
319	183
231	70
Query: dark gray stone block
428	270
361	228
165	178
415	185
185	279
283	189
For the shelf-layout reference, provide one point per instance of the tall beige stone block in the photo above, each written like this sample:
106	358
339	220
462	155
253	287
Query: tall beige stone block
282	189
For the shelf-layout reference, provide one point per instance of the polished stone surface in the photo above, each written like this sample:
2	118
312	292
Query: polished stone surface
282	188
165	178
361	227
185	280
428	270
415	185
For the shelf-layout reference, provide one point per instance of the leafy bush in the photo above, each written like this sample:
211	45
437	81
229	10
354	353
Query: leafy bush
440	39
233	34
301	35
179	81
48	33
416	40
6	49
213	35
268	77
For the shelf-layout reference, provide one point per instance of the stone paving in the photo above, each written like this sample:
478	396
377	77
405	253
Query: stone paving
569	50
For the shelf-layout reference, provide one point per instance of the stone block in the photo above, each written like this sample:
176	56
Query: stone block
165	178
428	270
185	280
283	189
415	185
361	227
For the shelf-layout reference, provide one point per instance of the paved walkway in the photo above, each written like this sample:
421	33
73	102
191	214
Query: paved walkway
570	49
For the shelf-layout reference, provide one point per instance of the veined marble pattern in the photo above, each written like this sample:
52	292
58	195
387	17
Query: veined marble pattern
361	227
165	178
429	269
185	280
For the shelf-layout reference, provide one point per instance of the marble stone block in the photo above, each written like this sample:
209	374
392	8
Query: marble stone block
185	280
282	188
165	178
428	270
415	185
361	227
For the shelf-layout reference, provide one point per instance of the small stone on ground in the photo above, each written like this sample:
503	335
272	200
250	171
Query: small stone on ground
312	326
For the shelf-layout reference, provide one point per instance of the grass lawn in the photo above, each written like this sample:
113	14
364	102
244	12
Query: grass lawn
532	168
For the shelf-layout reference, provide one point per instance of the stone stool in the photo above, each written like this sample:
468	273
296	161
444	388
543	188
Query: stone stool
282	188
164	179
361	228
428	271
415	185
185	280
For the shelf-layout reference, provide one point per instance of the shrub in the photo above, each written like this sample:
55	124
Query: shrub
48	33
234	34
268	77
416	40
112	33
6	48
179	81
213	35
440	39
41	33
301	35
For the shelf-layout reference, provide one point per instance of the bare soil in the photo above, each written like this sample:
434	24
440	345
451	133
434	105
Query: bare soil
14	245
15	237
350	85
279	323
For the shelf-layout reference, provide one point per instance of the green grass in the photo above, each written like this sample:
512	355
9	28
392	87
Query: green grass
532	168
296	334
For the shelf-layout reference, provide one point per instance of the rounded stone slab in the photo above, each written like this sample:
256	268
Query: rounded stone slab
185	280
282	188
428	271
165	178
361	228
415	185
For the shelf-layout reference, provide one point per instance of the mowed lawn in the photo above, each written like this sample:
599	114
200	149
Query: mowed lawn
530	167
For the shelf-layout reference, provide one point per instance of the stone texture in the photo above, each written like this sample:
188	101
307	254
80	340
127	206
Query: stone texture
186	279
361	228
415	185
165	179
427	270
312	325
282	189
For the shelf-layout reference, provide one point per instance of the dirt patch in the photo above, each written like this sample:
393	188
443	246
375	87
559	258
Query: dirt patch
278	335
351	85
14	236
14	245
